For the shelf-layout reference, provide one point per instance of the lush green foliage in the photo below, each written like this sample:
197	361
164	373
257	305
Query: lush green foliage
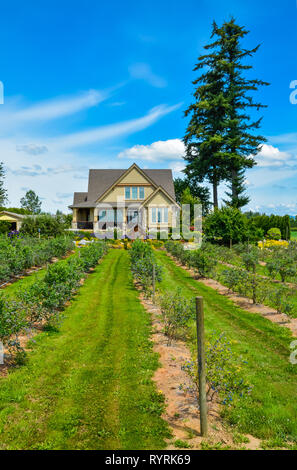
266	222
89	386
18	254
223	375
219	141
230	226
143	265
176	312
31	202
43	301
274	233
200	260
196	191
44	224
269	411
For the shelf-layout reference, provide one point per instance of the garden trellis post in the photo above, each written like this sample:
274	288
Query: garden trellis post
201	365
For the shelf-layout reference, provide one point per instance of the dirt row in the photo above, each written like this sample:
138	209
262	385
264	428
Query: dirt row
243	302
182	413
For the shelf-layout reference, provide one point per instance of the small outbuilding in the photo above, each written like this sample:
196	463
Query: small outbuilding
14	219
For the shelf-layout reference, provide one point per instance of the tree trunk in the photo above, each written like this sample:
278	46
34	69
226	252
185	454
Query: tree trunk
215	195
234	186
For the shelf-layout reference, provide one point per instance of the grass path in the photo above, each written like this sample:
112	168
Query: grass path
89	386
271	411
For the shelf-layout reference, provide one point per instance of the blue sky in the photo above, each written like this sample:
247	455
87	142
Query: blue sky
98	84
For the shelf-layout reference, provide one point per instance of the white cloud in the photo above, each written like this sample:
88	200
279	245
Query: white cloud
271	156
142	71
157	151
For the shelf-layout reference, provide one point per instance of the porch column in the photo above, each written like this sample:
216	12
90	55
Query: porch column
96	219
74	218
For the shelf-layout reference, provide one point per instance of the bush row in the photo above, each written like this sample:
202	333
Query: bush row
143	265
200	260
18	254
43	301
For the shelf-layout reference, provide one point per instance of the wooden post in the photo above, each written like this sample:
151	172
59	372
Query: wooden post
201	365
154	282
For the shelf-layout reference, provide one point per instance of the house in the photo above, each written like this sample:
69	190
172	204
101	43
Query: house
15	220
132	200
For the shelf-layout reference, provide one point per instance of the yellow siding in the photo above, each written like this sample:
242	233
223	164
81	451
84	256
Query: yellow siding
8	218
160	200
134	177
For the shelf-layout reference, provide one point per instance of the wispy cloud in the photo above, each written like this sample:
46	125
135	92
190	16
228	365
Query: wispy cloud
114	130
32	149
51	109
142	71
290	138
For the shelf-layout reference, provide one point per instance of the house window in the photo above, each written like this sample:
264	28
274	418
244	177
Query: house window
110	215
165	215
134	192
159	215
102	216
154	215
119	216
127	192
141	192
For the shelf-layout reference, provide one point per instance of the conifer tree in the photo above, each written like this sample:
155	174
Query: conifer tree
219	141
3	192
240	143
204	138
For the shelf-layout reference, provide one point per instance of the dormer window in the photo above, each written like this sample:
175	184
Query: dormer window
127	192
134	192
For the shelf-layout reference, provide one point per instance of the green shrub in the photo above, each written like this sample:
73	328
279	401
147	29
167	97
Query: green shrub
274	234
143	264
176	312
230	226
223	374
45	224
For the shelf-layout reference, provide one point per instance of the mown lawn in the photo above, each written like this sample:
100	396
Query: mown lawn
294	235
270	412
89	386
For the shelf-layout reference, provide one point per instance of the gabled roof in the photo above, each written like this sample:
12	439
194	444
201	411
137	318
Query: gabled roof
13	214
80	197
159	190
100	181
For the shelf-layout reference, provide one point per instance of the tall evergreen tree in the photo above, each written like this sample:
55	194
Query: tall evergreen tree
204	138
3	192
241	145
219	143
